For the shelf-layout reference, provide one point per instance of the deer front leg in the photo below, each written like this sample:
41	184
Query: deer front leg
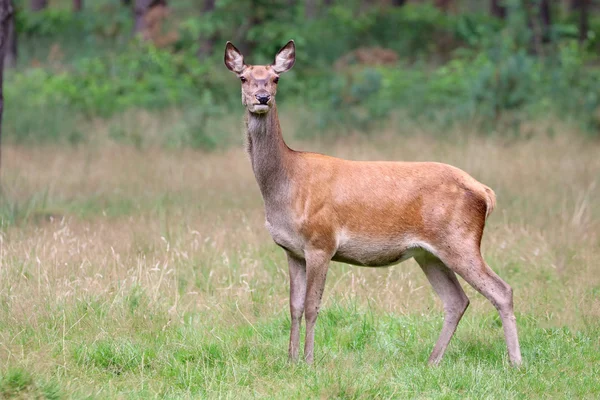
297	296
317	263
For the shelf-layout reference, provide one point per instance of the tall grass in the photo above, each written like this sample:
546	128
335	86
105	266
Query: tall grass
139	271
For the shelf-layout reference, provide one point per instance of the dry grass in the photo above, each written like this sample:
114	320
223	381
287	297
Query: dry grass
183	230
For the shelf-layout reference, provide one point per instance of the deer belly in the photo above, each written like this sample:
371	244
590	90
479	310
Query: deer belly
374	252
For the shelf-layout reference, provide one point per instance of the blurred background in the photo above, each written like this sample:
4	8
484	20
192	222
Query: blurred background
442	62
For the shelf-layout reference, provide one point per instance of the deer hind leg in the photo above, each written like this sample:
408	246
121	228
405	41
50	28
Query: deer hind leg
297	297
317	264
478	274
453	297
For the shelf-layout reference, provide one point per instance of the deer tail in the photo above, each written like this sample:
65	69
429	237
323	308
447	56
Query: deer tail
490	200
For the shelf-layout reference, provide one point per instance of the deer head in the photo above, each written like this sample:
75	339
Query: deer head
259	82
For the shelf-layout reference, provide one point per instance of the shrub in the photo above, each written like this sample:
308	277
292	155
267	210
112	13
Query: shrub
467	66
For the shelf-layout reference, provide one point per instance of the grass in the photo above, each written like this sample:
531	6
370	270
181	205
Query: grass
138	272
362	356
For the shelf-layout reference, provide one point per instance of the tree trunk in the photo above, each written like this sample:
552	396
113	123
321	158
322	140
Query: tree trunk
545	16
77	5
497	10
540	22
10	51
6	18
208	6
126	2
398	3
583	7
37	5
583	20
206	43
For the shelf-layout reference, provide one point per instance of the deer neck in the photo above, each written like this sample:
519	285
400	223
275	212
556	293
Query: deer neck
269	154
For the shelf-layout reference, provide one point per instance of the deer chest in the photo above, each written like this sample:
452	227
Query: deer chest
285	234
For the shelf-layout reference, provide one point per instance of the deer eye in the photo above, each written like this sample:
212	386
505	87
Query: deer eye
276	79
243	79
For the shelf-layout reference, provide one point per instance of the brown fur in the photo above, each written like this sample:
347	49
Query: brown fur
320	208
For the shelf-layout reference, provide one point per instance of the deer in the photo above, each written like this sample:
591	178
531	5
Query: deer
320	209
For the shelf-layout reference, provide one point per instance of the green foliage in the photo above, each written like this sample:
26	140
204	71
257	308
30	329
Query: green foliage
465	66
46	22
496	74
104	20
143	77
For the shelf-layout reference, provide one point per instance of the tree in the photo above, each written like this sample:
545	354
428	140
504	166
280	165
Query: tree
6	18
582	6
206	43
10	51
545	16
497	9
540	22
77	5
37	5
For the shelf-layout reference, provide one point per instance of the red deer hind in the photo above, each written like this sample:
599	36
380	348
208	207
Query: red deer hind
372	214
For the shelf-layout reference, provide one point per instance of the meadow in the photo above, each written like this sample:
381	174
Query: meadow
143	272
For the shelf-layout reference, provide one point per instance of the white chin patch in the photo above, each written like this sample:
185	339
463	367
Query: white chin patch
259	108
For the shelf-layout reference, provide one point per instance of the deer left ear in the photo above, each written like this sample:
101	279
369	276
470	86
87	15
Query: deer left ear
285	58
234	60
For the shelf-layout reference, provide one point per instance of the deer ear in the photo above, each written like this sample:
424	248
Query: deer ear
234	60
285	58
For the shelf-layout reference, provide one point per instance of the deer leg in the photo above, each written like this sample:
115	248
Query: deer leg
478	274
453	297
297	295
317	264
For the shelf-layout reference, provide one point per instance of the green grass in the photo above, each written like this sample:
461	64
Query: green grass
361	354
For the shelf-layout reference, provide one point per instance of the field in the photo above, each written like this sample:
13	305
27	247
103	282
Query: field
130	272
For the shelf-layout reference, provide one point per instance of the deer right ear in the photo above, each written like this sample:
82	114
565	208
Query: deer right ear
285	58
234	60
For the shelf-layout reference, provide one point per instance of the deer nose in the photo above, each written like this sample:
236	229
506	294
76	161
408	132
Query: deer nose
263	98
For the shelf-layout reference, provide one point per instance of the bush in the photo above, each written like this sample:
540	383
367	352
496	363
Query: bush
466	66
43	104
